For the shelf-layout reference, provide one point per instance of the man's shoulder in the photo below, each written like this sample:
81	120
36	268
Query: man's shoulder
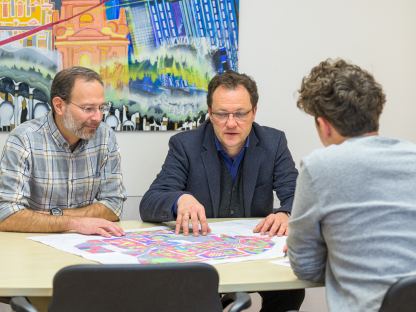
265	131
322	165
316	157
358	149
29	128
350	153
195	135
104	136
269	138
104	130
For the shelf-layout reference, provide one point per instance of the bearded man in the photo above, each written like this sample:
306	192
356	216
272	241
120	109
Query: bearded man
61	172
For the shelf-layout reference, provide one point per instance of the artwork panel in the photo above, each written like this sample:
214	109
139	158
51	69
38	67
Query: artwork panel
155	57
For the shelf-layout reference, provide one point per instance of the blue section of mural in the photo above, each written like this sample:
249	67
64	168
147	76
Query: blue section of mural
112	11
179	22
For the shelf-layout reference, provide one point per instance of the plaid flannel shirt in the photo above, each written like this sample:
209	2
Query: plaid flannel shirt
39	171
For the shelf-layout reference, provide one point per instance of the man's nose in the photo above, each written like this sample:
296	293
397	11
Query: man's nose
97	115
231	122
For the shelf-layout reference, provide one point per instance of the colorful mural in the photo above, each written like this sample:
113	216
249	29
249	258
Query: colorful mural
156	57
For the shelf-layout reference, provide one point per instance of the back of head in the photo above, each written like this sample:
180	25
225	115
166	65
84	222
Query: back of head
344	94
231	80
64	81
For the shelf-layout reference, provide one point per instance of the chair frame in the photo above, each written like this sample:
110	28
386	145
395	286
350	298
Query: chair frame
401	296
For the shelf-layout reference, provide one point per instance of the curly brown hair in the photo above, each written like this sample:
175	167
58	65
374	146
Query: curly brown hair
344	94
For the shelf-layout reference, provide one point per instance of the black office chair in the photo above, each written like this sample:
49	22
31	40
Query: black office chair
401	296
155	287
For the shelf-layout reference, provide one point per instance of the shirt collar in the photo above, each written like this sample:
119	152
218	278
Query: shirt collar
220	148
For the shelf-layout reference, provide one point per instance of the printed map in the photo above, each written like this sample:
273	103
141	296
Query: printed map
165	246
229	241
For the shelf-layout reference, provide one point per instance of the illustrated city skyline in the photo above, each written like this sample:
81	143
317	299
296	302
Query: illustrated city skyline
155	57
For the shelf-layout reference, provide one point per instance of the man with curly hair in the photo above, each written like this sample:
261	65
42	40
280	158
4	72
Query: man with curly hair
354	214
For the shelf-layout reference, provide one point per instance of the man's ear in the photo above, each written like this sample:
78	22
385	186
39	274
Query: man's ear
254	111
325	128
58	104
328	133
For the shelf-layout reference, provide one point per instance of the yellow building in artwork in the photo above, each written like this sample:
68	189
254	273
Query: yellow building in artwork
17	16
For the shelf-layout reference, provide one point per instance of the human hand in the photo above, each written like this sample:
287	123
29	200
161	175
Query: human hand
190	209
95	226
274	223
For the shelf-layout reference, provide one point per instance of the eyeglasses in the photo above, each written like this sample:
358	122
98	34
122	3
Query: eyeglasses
225	116
91	110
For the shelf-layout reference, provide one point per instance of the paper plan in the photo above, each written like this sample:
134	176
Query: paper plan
230	241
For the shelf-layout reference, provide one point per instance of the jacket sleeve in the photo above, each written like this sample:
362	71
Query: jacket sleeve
307	250
284	176
157	203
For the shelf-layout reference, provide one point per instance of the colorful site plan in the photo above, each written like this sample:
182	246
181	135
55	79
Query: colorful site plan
229	241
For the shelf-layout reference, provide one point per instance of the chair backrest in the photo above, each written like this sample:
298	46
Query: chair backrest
154	287
401	296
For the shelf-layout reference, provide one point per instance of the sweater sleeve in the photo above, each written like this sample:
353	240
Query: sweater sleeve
307	250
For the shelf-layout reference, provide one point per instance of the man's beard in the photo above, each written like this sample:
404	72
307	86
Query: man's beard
77	128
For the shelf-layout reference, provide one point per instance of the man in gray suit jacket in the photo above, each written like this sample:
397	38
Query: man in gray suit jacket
228	167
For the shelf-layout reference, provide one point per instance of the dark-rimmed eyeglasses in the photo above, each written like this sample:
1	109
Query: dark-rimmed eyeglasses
237	116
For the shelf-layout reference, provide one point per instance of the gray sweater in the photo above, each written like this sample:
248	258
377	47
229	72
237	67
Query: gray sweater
353	222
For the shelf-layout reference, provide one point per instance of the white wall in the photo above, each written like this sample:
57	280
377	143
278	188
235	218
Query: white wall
378	35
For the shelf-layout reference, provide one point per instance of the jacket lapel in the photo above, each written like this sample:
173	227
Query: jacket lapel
251	164
212	167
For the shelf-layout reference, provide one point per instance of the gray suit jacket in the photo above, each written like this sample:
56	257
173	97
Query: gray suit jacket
193	166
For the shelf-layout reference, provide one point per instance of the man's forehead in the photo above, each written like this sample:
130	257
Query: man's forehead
227	97
237	88
83	87
81	81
